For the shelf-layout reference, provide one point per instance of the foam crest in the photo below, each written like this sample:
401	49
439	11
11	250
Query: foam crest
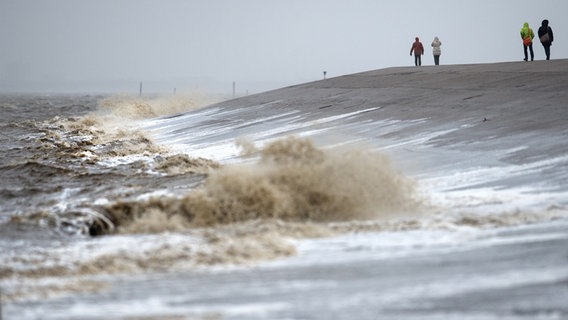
113	118
130	107
112	132
182	163
293	181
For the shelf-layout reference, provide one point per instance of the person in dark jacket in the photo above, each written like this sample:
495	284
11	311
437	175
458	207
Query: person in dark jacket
546	37
418	50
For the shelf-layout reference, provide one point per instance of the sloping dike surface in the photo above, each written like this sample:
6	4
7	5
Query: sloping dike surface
512	113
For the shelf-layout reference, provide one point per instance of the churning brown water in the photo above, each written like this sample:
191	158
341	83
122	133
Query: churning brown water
76	167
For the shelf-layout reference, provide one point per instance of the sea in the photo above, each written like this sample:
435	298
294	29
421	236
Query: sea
194	207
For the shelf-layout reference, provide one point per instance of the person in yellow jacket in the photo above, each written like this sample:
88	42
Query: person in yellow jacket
527	35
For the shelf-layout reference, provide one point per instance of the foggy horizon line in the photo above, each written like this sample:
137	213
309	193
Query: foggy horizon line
173	85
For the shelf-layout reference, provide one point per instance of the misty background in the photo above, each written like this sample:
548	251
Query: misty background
110	46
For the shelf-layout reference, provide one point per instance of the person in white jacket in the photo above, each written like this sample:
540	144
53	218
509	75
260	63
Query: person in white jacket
436	44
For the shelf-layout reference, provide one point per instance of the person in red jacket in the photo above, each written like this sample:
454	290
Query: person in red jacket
418	50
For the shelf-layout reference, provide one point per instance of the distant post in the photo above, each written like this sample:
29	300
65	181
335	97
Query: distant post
324	74
140	88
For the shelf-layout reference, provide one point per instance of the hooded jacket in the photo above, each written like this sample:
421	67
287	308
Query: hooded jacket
526	32
436	44
544	29
417	48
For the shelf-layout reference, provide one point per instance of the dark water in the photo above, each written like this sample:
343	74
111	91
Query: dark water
53	161
33	172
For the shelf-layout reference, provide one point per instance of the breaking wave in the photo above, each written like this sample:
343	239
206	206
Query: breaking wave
292	181
65	163
129	107
111	130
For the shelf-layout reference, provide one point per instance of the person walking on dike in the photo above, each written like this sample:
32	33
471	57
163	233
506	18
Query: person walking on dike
436	44
546	37
527	35
418	50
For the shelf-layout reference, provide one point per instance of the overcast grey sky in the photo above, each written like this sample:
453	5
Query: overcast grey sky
112	45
